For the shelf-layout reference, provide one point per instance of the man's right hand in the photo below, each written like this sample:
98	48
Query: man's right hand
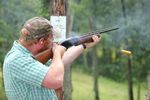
55	75
58	49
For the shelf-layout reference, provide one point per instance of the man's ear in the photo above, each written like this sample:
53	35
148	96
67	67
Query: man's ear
41	40
25	32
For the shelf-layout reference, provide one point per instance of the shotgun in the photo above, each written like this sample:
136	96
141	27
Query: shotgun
44	56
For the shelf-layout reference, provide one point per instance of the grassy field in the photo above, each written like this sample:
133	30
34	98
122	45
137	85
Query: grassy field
83	88
2	93
108	89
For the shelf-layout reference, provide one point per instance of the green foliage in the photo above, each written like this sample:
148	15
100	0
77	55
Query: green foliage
133	34
45	8
13	14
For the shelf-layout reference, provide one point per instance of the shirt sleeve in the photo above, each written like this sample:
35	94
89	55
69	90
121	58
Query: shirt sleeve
28	70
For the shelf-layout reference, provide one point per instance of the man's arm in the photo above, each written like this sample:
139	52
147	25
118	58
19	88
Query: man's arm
74	52
55	74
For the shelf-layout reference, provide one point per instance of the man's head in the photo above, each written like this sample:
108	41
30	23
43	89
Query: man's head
37	27
36	33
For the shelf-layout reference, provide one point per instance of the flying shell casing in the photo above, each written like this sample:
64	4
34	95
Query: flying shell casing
126	52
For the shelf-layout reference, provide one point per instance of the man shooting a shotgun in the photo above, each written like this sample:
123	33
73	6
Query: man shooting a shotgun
26	77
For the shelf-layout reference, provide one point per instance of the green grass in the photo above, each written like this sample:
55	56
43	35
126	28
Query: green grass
83	88
108	89
2	93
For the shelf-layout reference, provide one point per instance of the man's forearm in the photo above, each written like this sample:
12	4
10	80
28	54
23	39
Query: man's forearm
71	54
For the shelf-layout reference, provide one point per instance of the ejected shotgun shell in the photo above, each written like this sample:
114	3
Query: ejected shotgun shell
126	52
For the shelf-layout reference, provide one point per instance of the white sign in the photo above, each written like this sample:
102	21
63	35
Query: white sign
59	24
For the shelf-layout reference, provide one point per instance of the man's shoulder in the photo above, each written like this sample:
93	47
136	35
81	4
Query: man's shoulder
14	55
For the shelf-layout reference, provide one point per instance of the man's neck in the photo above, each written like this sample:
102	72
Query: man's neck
28	46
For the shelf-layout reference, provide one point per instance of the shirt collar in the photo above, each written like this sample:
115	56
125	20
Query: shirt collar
19	47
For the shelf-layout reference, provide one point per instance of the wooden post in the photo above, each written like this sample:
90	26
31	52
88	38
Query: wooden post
58	16
130	90
58	8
